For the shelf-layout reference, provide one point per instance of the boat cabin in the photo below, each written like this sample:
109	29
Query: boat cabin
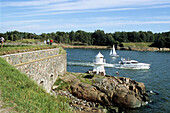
128	61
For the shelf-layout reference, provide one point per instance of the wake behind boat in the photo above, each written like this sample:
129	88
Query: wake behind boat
132	64
113	52
88	64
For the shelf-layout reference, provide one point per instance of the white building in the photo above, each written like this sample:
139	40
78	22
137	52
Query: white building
99	63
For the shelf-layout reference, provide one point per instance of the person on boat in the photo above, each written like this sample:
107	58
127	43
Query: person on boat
117	73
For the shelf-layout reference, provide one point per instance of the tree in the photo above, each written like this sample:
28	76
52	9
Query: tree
110	40
72	36
30	36
66	38
15	37
44	36
99	38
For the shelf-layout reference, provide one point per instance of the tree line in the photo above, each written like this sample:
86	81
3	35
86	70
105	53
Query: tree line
98	37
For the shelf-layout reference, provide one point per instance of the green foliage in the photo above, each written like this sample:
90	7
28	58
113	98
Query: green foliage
86	80
22	93
62	85
61	50
98	37
162	40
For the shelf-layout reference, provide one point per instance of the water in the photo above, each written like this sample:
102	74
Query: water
157	78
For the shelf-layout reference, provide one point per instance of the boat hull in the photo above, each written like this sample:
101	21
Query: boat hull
114	55
133	66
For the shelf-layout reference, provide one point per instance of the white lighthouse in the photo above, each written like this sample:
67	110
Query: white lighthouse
99	63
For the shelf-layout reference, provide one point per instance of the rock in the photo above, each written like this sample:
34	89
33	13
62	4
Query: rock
122	91
55	87
108	91
87	92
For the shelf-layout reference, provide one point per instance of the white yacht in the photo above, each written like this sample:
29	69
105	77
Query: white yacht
132	64
113	52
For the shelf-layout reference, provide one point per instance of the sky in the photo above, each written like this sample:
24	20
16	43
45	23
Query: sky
46	16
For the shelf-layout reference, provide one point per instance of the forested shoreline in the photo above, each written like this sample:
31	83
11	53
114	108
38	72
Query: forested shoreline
98	37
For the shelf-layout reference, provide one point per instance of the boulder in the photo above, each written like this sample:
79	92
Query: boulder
110	91
89	93
122	91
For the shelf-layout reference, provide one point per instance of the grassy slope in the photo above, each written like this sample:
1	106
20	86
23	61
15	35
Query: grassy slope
20	92
10	49
137	44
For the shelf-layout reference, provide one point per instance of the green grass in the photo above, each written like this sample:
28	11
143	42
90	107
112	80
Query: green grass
61	50
62	85
10	49
85	78
25	41
137	44
22	93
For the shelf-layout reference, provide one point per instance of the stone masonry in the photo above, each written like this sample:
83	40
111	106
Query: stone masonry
43	66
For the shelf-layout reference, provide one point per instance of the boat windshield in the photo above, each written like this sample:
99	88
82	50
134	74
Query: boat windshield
127	62
134	62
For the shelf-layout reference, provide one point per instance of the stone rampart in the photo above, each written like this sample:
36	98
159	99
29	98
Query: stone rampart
43	66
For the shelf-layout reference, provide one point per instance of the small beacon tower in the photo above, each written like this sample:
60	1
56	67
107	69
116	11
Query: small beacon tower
99	63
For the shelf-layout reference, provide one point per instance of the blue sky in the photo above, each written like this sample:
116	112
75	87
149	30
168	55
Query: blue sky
46	16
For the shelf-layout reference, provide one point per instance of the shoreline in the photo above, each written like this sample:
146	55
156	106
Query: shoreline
130	48
118	48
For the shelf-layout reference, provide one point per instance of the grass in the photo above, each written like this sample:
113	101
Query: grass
24	95
61	50
137	44
86	78
10	49
25	41
62	85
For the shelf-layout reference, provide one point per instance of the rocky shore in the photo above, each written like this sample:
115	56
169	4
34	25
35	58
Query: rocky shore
93	93
118	48
131	48
143	49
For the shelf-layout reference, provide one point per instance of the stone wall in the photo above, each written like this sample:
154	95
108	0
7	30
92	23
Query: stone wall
43	66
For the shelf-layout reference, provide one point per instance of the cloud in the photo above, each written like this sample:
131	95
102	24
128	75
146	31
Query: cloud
40	8
103	23
98	4
55	7
30	3
18	23
43	12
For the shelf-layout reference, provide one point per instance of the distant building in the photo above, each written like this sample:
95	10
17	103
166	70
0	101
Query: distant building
99	63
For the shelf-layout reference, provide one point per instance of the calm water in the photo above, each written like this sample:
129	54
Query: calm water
157	78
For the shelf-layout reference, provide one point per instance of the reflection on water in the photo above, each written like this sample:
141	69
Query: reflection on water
114	58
